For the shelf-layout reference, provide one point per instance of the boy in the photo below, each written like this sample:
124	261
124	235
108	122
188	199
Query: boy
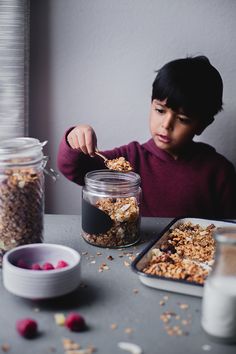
179	177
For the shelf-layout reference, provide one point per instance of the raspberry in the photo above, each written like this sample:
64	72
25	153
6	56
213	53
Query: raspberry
36	266
22	264
75	322
47	266
61	264
27	327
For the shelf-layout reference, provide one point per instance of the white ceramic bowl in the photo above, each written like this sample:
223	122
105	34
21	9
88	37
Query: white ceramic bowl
41	284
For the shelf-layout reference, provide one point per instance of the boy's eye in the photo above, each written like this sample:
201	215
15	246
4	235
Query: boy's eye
184	120
159	110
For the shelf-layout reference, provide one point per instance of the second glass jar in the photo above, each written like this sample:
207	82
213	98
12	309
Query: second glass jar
111	208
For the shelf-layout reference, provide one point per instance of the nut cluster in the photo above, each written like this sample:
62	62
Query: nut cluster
119	164
21	207
187	253
125	230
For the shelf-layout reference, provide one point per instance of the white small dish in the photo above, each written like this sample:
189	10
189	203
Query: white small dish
41	284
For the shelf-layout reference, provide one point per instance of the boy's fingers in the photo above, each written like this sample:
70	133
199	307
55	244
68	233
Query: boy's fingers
70	140
90	141
75	141
81	141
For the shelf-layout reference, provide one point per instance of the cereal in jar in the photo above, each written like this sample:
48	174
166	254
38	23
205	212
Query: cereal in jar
111	208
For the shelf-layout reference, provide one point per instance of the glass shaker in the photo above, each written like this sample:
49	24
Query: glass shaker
21	192
111	208
219	297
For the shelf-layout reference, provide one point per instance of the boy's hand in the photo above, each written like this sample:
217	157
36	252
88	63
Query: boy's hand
83	138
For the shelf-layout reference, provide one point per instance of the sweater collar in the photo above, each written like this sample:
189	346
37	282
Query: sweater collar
163	155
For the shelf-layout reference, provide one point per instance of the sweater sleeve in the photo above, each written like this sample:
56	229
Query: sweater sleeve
227	194
74	164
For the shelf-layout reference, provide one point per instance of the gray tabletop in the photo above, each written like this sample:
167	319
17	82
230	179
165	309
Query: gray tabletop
115	304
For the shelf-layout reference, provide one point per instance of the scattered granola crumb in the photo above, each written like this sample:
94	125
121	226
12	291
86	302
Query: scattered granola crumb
110	258
114	326
92	348
184	306
132	258
5	347
128	330
103	267
69	344
135	291
175	331
162	303
126	264
166	316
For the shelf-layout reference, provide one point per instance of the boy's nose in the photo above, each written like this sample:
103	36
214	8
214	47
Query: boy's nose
168	121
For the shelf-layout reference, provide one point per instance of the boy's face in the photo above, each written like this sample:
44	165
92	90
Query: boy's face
170	130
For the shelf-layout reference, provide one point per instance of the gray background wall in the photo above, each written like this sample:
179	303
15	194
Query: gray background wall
94	62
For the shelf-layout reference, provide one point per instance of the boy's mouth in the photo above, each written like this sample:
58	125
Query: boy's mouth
163	138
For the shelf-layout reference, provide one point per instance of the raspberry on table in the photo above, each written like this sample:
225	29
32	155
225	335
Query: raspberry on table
75	322
27	327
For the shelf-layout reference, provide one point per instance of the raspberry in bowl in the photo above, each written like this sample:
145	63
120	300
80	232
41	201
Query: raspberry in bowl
41	270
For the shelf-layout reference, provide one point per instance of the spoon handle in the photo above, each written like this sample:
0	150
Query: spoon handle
102	156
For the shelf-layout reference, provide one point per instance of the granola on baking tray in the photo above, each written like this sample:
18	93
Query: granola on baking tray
125	229
187	253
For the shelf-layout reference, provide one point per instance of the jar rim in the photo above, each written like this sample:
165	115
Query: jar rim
112	178
22	151
19	144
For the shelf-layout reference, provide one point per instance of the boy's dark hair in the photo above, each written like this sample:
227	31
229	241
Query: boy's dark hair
191	84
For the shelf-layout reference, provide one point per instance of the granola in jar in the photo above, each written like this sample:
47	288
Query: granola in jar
110	209
21	192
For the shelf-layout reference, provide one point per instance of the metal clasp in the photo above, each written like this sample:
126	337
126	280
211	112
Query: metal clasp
49	171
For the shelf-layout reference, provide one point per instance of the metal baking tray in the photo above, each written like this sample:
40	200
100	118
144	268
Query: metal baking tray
170	284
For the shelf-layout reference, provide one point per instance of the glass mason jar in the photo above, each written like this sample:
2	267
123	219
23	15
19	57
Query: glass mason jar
110	208
21	192
219	296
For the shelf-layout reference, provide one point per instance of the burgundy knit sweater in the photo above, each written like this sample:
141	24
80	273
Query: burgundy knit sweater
202	183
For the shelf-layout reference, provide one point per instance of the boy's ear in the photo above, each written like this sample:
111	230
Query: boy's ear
203	125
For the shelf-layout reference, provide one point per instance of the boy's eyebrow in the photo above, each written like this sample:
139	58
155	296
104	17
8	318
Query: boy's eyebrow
179	112
160	103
